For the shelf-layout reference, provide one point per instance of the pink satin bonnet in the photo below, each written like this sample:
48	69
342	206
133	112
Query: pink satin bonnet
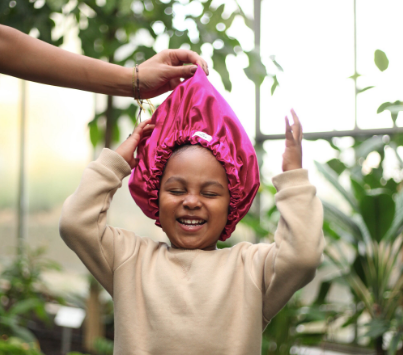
196	113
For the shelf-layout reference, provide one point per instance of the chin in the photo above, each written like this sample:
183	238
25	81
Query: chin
191	243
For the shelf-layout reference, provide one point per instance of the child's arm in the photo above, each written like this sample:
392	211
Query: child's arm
83	222
31	59
299	242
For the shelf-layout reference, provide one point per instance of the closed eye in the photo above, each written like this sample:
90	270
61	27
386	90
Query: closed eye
210	194
177	192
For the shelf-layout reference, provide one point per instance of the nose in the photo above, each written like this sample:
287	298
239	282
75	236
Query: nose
191	202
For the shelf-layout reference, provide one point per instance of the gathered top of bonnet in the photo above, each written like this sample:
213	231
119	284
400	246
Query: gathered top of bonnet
195	113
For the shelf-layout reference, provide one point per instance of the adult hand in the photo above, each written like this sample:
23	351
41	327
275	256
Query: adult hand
292	157
162	72
129	146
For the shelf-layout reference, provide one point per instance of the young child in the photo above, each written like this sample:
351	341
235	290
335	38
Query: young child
197	176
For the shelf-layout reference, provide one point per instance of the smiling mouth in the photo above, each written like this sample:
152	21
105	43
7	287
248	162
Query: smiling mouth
191	222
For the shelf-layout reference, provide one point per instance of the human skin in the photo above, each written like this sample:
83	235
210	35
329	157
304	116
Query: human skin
189	194
186	195
28	58
292	156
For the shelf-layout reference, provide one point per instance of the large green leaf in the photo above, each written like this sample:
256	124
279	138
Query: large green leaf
256	71
324	289
378	211
96	134
342	221
393	107
394	342
25	306
358	188
397	223
381	60
377	327
220	66
331	176
373	144
337	165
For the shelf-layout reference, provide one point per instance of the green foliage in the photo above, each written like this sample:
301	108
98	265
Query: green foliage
393	107
288	327
365	89
256	71
22	294
124	32
23	276
397	333
103	346
378	210
12	320
282	333
25	15
372	231
107	28
15	346
381	60
263	223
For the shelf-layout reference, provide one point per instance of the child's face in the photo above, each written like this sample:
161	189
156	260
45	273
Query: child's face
194	199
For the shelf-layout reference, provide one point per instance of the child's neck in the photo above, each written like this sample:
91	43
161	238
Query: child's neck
208	248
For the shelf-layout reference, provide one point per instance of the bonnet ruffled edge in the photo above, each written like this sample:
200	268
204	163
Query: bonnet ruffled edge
164	152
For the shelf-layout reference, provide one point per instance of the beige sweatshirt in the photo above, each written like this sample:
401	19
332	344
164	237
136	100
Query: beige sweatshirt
190	302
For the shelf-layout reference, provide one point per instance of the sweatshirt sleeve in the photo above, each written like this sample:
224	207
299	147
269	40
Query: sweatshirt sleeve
292	261
83	221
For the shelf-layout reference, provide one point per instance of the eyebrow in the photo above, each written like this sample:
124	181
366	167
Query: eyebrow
183	181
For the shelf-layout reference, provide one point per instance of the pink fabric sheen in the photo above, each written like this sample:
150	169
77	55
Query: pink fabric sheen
196	106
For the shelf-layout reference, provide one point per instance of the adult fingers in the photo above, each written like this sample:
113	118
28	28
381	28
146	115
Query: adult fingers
184	71
179	56
173	83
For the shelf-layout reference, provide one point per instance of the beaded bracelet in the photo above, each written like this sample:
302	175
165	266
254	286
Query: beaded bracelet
136	85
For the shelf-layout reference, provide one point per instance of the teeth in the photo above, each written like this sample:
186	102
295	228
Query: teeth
191	221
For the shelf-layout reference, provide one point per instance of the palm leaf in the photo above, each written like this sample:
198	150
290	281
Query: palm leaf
397	223
332	177
340	219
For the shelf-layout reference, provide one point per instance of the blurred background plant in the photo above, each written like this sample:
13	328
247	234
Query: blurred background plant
24	294
364	243
15	346
363	233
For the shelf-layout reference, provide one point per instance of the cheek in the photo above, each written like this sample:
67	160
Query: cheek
220	210
167	205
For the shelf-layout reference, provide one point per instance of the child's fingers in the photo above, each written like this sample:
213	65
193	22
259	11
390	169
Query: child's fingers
288	130
140	130
147	132
149	127
134	162
141	125
297	128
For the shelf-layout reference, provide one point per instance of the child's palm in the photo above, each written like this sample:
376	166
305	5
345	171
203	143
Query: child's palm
292	157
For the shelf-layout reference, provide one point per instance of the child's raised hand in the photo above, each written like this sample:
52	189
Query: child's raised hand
292	157
128	147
